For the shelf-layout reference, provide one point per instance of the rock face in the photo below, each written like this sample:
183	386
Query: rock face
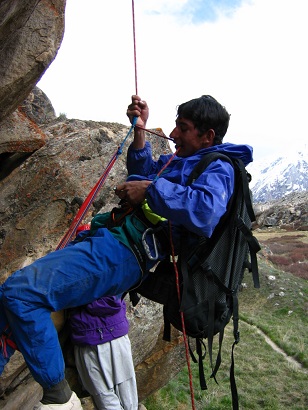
47	167
289	212
30	35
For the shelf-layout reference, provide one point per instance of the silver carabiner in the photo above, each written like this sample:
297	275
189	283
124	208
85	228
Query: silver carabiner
146	246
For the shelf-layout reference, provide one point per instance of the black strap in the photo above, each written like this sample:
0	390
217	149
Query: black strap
233	387
254	248
167	327
244	176
204	163
199	344
133	297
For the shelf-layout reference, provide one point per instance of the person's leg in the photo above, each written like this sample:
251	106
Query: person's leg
60	393
124	373
97	380
107	400
70	277
127	392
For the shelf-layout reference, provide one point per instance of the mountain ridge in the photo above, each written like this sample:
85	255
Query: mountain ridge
277	176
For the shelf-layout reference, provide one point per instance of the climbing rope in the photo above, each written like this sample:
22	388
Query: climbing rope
134	37
177	281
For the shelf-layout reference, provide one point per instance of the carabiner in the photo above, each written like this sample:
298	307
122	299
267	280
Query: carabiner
146	246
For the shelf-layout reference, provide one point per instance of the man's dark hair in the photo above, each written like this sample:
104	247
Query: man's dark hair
206	113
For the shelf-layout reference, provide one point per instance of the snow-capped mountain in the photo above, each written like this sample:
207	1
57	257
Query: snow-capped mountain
273	178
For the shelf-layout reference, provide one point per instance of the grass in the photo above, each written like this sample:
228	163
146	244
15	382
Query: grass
286	250
265	378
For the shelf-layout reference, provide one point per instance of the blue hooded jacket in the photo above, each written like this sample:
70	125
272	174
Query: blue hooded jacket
198	207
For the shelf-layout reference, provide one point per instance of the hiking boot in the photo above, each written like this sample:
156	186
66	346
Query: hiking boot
73	404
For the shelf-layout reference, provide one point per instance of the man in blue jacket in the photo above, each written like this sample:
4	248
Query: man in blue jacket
113	258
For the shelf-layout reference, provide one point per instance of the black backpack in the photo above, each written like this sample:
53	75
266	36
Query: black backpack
210	275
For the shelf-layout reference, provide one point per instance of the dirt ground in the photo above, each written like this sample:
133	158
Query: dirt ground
270	233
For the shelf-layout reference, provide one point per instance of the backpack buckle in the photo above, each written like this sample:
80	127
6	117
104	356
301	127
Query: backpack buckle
147	247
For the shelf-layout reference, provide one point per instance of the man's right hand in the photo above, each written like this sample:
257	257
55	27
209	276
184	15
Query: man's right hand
138	108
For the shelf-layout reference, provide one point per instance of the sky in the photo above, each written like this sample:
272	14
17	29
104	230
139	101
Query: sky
251	55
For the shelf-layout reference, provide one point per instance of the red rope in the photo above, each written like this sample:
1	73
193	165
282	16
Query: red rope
167	163
192	396
135	54
86	204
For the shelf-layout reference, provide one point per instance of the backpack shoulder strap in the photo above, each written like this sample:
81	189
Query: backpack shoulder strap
241	189
205	245
204	163
245	178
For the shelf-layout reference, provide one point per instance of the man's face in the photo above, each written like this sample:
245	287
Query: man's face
186	136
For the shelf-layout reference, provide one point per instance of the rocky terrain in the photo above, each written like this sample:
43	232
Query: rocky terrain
289	212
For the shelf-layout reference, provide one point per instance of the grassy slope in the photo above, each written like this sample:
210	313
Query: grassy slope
265	378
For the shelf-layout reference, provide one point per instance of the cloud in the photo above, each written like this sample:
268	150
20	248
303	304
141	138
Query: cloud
250	55
191	11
